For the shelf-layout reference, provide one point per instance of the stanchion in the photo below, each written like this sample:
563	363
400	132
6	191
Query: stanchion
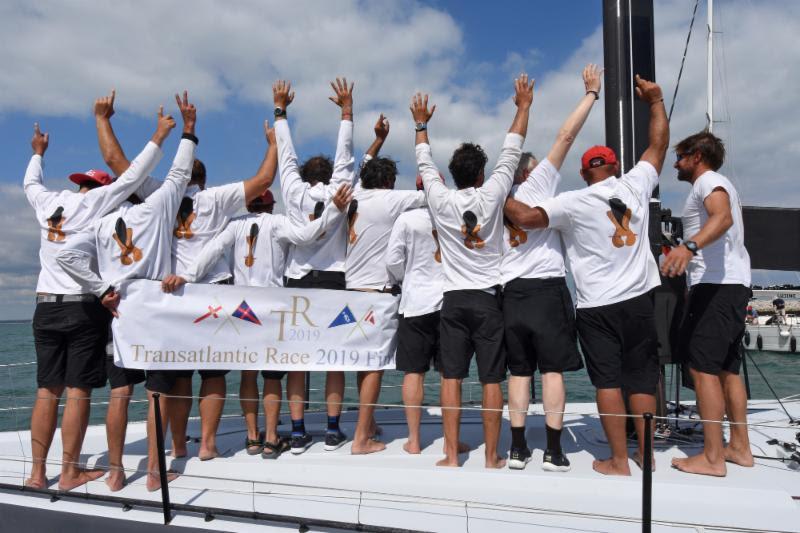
647	474
162	460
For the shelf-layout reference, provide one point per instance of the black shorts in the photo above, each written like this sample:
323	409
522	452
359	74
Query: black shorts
70	340
620	345
540	327
418	343
471	321
122	377
161	380
204	374
273	374
319	279
713	327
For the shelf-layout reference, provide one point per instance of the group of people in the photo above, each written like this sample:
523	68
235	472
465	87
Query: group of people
480	267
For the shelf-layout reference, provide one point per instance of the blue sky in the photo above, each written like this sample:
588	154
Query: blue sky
464	53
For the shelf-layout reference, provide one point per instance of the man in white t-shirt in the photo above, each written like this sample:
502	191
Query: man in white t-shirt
132	242
718	274
413	259
537	307
70	326
605	231
469	224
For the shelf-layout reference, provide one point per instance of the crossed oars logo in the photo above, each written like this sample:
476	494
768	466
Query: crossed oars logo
516	235
54	223
470	231
251	239
124	237
620	215
186	216
352	216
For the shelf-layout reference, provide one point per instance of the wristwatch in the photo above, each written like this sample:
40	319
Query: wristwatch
421	126
280	112
595	93
691	246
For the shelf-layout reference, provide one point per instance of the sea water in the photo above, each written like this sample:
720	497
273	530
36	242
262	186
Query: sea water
18	383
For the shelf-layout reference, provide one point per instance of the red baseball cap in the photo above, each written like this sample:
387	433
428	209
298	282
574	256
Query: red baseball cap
96	176
598	156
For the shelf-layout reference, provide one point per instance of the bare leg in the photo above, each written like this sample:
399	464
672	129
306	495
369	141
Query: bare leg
116	426
554	397
212	401
641	404
738	449
73	428
370	388
451	420
492	416
296	393
413	395
519	399
153	482
334	392
248	399
44	419
272	408
610	401
711	402
179	414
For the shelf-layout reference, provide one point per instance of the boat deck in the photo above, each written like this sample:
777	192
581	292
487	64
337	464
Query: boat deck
395	489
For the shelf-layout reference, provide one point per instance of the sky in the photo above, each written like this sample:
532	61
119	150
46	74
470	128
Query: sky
59	56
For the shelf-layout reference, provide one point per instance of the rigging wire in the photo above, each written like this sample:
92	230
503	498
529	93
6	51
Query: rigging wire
683	61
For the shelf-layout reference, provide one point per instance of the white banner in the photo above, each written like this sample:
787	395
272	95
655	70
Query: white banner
253	328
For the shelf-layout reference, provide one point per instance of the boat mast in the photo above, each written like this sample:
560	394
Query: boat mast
710	67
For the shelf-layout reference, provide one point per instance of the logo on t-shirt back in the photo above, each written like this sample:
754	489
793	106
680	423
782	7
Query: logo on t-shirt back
124	237
470	229
319	207
516	235
186	216
251	239
437	255
352	216
620	216
54	223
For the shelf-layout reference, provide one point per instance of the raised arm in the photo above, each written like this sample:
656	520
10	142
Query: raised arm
650	92
344	160
523	98
34	174
286	230
572	126
110	148
525	216
381	132
292	186
255	186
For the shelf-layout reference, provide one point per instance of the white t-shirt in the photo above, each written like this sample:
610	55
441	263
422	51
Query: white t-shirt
300	200
413	258
201	216
65	213
604	228
534	253
258	244
724	261
134	241
369	228
470	261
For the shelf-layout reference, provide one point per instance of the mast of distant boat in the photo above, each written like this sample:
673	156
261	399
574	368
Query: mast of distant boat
710	67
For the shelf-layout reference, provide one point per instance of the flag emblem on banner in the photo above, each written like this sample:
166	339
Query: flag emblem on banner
369	317
345	316
212	312
245	312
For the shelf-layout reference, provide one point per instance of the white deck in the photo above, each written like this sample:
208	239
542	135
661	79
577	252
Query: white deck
395	489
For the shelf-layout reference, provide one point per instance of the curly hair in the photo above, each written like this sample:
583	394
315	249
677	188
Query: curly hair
317	169
379	173
466	165
710	147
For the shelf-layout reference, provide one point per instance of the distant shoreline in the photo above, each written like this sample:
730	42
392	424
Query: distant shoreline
16	321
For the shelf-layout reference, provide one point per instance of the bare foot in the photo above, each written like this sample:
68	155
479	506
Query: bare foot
154	481
699	464
115	479
206	454
637	458
80	478
495	462
739	457
612	467
371	446
448	461
37	482
412	447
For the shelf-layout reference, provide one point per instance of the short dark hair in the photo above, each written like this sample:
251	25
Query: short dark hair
467	163
317	169
378	173
198	172
708	145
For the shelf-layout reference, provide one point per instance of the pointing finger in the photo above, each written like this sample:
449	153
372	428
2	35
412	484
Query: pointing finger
161	111
36	130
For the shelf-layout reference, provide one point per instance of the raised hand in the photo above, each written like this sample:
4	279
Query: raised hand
592	78
344	94
104	106
165	125
342	197
172	283
269	132
419	108
647	91
523	91
40	140
188	112
282	94
382	128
